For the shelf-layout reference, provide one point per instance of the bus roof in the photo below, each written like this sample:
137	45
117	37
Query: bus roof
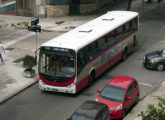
92	30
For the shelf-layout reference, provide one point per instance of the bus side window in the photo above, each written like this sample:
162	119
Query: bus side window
131	24
119	34
135	23
123	28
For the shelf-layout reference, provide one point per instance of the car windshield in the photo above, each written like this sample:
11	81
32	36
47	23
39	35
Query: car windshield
162	52
113	93
81	117
59	65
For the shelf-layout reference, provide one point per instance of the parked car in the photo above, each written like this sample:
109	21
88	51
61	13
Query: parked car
120	94
155	60
91	110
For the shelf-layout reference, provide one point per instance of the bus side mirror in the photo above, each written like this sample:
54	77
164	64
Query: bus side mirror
99	91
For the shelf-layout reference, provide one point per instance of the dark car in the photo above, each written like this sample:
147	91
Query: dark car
155	60
91	110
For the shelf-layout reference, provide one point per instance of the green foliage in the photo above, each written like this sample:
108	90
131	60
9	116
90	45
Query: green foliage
155	113
29	62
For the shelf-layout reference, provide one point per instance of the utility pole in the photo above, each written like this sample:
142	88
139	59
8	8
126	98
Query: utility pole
34	27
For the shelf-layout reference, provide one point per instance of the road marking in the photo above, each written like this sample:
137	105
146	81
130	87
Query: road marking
149	85
19	39
162	41
14	33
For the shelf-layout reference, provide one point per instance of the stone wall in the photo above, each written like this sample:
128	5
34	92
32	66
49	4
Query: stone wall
43	10
87	8
52	11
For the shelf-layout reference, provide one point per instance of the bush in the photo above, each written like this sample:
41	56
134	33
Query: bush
155	113
29	62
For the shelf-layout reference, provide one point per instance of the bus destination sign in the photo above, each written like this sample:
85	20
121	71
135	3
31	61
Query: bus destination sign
56	49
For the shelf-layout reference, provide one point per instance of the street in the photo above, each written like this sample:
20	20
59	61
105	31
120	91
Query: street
33	104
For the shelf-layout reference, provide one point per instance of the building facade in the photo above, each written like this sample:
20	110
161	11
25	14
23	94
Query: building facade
52	8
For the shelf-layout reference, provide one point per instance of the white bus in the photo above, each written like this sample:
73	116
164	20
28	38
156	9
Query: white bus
73	60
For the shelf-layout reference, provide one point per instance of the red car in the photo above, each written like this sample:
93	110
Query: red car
120	94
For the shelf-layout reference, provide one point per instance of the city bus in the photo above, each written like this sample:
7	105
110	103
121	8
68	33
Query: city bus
73	60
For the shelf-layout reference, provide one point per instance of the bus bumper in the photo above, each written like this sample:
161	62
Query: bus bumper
46	87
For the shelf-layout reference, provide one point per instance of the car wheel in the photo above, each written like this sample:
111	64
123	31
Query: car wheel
160	67
137	99
124	114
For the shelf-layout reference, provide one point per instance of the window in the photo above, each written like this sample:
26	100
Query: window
130	90
135	84
135	23
111	39
102	44
119	35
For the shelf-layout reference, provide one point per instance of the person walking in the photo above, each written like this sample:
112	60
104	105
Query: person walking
2	49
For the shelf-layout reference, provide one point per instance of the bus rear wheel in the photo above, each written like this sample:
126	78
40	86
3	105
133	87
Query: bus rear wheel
124	55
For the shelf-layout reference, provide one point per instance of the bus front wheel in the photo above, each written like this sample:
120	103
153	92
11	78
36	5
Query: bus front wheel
91	78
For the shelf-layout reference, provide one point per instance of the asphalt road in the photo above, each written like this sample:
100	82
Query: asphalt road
32	104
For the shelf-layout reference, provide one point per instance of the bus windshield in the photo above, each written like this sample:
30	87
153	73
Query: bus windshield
57	64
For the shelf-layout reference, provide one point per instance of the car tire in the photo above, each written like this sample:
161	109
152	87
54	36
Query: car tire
160	67
124	114
137	99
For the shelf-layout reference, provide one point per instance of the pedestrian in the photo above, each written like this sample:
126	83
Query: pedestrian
2	49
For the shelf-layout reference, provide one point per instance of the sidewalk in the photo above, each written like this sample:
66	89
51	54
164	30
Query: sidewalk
12	80
142	105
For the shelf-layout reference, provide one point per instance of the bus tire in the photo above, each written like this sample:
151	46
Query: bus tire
124	57
91	78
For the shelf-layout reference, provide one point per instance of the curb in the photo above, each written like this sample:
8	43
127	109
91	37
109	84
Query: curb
15	91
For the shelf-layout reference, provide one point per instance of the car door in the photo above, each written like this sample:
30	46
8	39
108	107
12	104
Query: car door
128	103
135	91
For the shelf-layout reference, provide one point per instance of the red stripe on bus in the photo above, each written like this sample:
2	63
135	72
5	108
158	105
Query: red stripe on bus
57	84
82	83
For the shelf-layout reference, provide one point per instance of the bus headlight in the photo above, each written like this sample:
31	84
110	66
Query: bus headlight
71	85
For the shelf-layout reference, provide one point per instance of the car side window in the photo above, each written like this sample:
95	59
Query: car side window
130	90
135	84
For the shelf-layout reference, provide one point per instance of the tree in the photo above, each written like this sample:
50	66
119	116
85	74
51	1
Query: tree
29	62
155	113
